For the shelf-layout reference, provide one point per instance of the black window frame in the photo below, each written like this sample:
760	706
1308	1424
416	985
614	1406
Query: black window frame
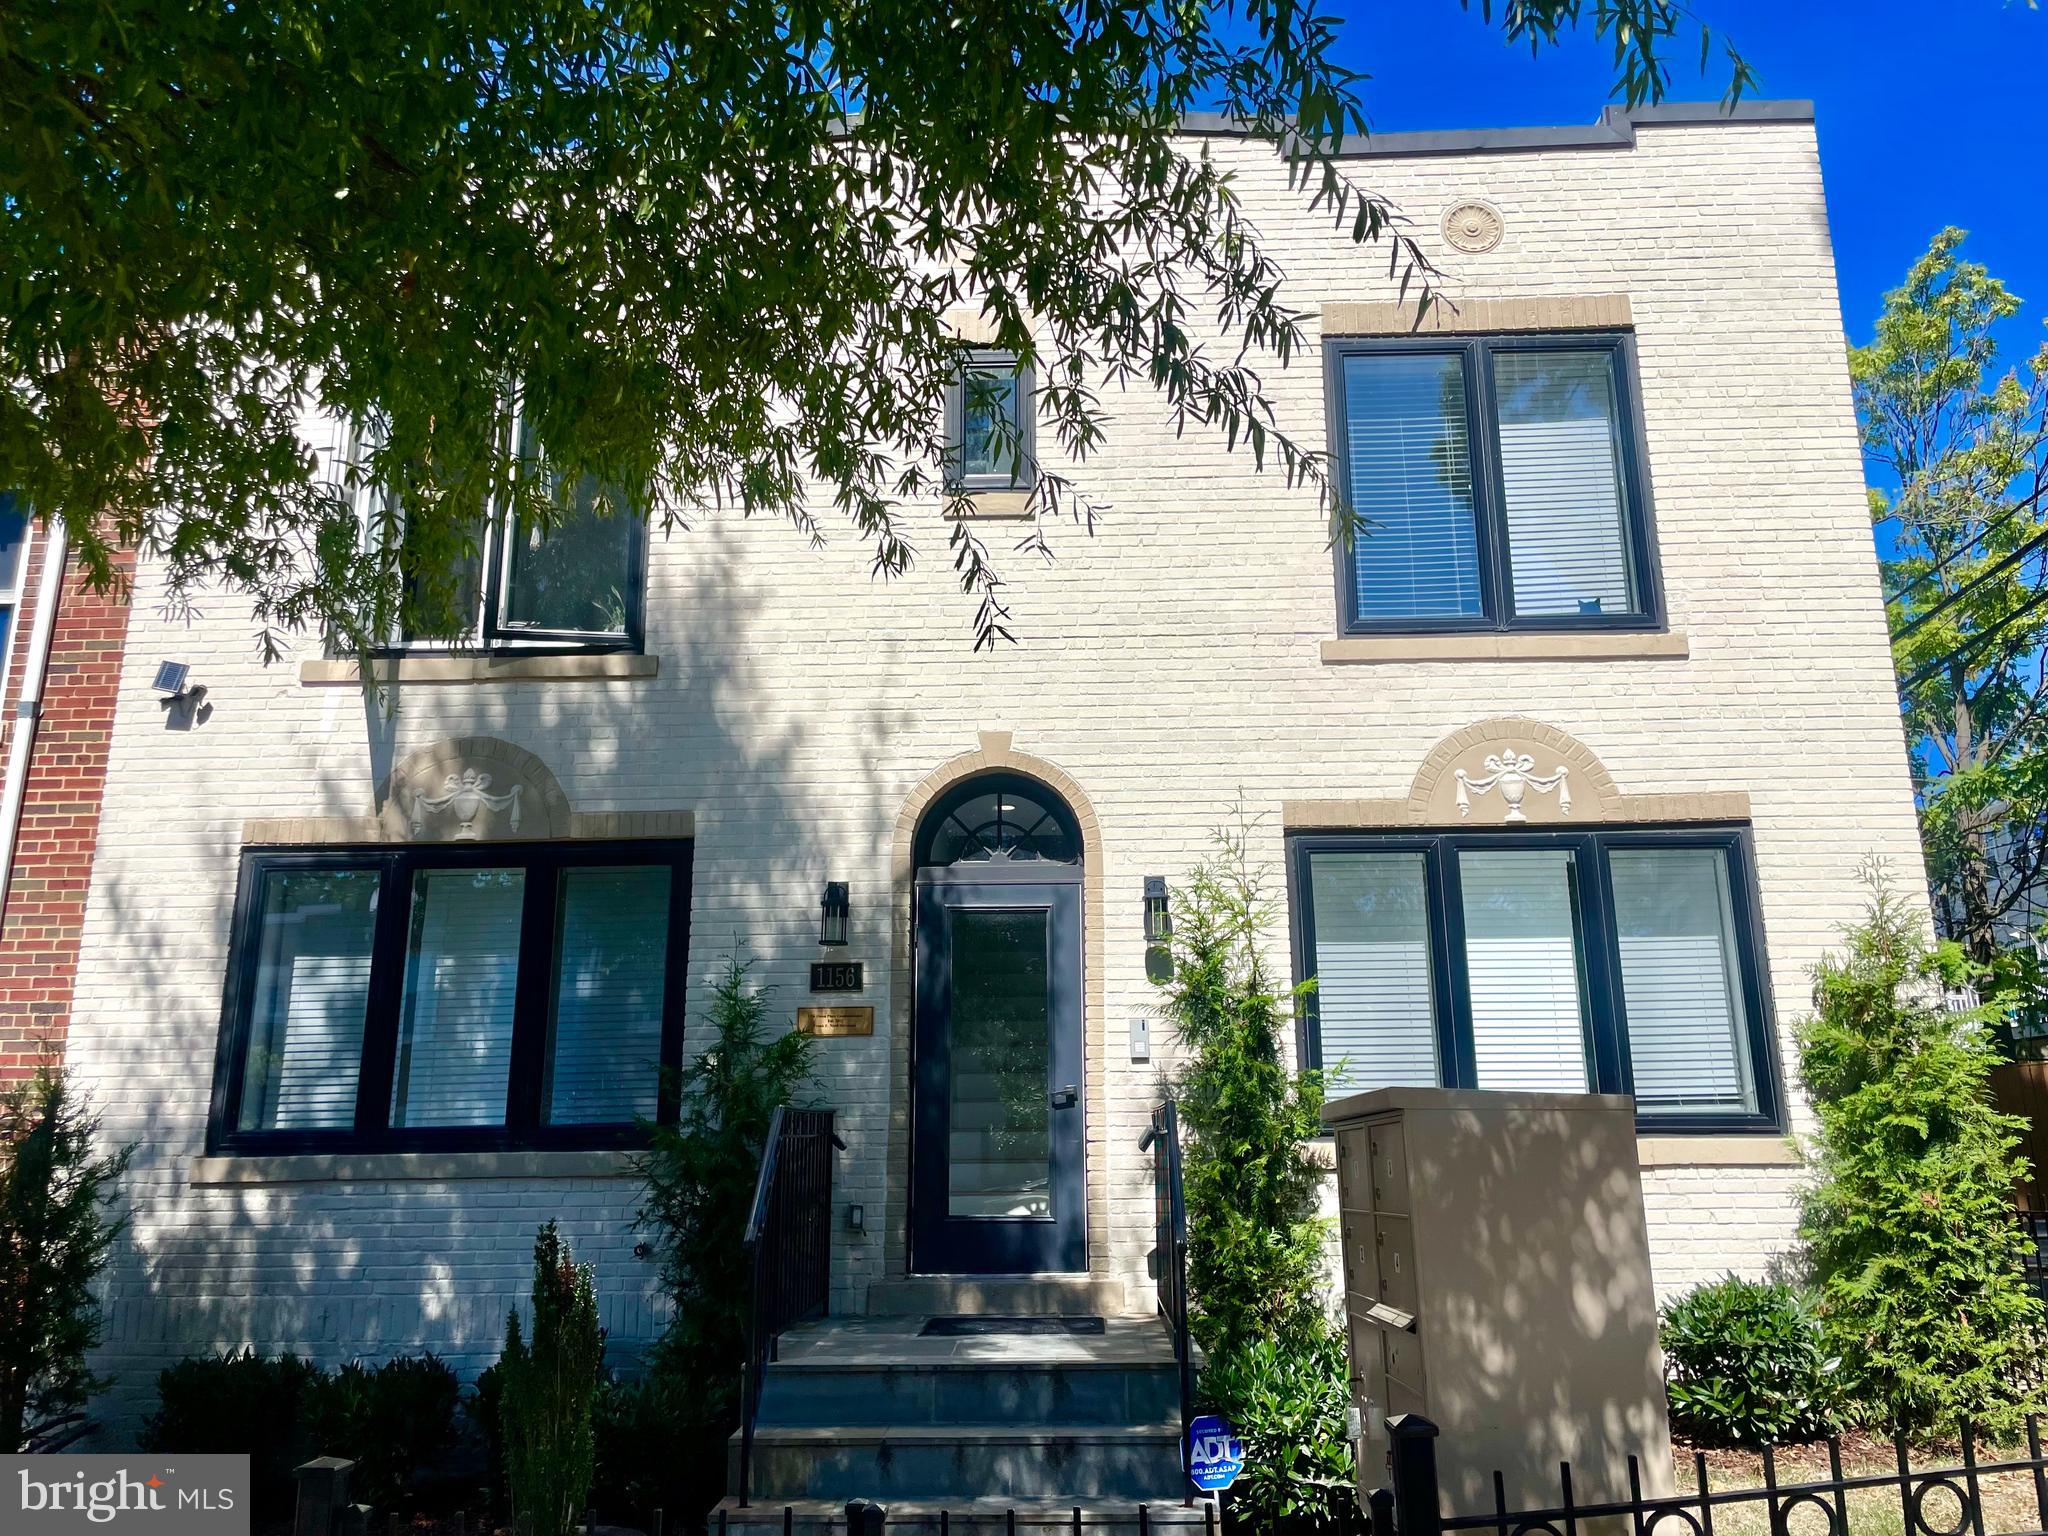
1024	401
1603	1013
524	1128
1482	425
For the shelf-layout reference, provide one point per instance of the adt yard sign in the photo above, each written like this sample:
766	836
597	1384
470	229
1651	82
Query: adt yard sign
1215	1454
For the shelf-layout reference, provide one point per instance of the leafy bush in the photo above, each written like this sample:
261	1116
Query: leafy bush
1287	1403
1909	1223
1748	1364
1255	1240
700	1175
54	1240
241	1404
392	1420
546	1392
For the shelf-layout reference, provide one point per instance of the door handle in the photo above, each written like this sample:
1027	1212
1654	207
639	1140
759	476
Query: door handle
1065	1098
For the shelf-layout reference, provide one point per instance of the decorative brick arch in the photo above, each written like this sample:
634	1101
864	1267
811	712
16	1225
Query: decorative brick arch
524	798
995	755
1593	795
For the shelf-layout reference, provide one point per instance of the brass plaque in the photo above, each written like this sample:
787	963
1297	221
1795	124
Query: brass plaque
835	1021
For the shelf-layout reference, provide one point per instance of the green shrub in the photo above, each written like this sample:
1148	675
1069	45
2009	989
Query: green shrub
1287	1403
546	1393
241	1404
1748	1364
700	1175
1255	1240
54	1239
1909	1223
392	1420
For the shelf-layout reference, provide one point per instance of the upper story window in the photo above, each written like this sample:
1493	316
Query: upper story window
989	415
1611	962
488	995
13	562
1499	481
574	585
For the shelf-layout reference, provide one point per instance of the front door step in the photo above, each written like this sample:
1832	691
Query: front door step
969	1517
1009	1295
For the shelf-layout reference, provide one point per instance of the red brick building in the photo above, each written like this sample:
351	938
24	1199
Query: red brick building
60	665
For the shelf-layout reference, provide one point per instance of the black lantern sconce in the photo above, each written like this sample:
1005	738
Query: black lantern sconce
832	928
1158	921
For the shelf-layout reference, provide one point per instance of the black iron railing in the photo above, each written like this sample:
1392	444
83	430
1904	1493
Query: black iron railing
1170	1256
788	1249
1412	1504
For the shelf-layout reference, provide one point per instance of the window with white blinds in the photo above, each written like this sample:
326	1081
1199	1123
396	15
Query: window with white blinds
442	995
314	937
1610	961
1496	483
1561	483
1522	969
1372	1001
1409	454
604	1037
461	983
1688	1038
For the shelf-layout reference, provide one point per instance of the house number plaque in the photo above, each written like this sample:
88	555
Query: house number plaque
837	976
835	1021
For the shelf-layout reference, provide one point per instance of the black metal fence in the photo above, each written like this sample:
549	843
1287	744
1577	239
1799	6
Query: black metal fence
789	1250
1412	1505
2033	1216
1170	1253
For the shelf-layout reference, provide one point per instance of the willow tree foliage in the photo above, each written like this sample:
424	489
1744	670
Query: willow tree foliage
1963	450
710	249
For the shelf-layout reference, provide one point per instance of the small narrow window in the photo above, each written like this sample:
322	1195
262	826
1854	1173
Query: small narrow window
315	932
461	983
13	561
1410	455
989	420
1561	484
1374	1011
611	973
1523	969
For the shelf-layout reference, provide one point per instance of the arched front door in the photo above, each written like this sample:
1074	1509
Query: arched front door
997	1132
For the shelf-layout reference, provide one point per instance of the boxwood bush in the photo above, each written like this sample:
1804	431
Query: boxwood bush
1747	1364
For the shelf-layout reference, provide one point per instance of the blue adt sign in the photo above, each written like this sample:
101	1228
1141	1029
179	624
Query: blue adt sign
1215	1454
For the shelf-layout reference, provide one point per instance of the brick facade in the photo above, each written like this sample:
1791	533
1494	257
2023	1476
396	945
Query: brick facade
1174	666
44	921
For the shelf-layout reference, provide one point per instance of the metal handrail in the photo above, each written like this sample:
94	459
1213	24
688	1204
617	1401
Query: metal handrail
788	1244
1171	1211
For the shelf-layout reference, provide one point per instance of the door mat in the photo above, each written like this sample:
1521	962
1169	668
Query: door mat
977	1327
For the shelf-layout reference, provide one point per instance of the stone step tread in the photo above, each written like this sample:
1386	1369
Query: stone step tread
870	1342
980	1434
1036	1516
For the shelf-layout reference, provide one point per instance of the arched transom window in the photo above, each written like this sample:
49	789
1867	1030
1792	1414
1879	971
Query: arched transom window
998	819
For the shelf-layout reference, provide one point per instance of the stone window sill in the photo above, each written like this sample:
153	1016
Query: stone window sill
384	1167
1732	1151
1509	645
996	506
605	666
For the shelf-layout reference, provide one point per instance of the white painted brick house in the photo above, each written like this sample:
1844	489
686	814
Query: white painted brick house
1639	417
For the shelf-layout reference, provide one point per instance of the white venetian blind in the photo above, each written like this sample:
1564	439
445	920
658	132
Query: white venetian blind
1410	461
1688	1035
1561	477
1522	965
1372	970
611	965
461	975
311	996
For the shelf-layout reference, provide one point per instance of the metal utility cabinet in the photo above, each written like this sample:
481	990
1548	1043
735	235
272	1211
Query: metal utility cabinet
1497	1280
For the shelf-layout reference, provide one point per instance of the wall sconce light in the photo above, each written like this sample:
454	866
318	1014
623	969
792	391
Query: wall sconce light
832	928
1158	921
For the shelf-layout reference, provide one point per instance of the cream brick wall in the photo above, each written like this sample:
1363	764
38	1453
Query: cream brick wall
1170	663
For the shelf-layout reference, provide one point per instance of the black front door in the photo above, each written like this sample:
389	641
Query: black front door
996	1169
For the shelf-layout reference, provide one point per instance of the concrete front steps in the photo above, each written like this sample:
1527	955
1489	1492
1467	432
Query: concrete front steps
871	1408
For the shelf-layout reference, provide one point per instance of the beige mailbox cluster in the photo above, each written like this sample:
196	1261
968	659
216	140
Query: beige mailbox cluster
1497	1280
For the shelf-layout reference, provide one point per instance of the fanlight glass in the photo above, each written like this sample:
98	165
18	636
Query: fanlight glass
1000	821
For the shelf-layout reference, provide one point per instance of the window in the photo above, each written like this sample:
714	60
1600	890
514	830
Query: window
989	416
1611	962
488	995
13	562
1498	481
576	585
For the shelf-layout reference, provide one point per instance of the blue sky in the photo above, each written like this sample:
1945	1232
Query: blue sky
1929	113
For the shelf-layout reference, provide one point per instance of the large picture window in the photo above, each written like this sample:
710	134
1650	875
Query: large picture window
490	995
1607	961
1498	480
